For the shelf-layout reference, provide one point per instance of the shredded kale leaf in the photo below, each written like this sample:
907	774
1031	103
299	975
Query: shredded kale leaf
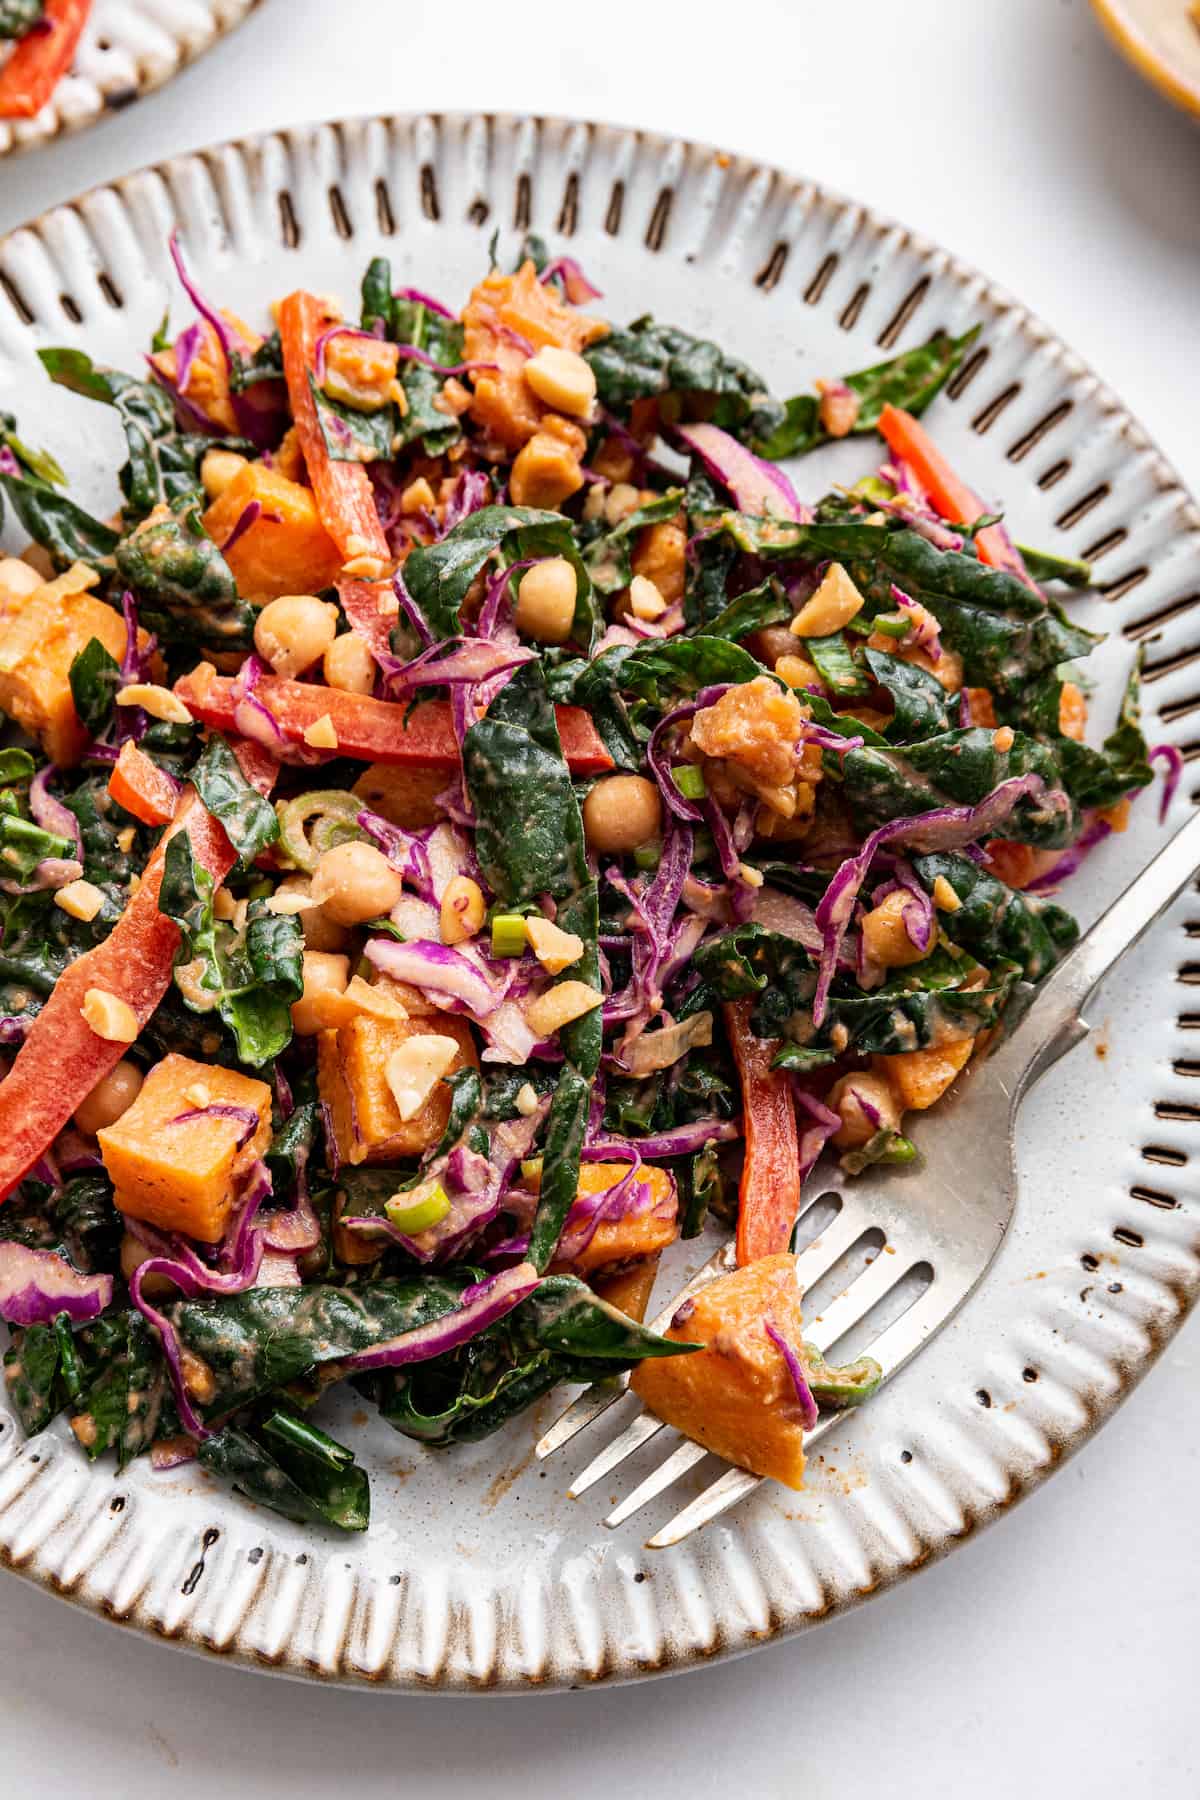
910	380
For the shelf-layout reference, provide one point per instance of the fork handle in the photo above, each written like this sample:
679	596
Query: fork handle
1052	1023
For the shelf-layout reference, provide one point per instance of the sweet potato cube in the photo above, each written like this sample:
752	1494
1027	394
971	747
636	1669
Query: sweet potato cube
635	1234
736	1396
286	550
402	795
352	1078
919	1077
38	644
185	1177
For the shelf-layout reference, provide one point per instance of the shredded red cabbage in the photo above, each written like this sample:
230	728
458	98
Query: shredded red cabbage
37	1285
805	1402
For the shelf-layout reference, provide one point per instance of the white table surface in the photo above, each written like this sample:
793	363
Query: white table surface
1057	1655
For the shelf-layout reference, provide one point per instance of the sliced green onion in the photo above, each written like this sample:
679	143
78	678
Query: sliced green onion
410	1216
648	856
900	1150
508	935
335	815
893	625
260	889
689	779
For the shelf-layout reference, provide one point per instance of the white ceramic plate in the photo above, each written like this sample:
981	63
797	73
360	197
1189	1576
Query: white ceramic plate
128	48
477	1571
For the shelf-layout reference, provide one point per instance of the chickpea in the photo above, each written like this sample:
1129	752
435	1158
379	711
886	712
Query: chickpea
355	882
851	1097
133	1254
320	931
349	664
546	601
112	1095
621	812
294	631
323	974
463	910
219	470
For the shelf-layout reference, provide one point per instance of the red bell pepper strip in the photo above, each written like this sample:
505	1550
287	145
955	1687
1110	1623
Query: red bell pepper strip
360	603
141	787
41	58
952	498
344	495
62	1058
377	731
769	1197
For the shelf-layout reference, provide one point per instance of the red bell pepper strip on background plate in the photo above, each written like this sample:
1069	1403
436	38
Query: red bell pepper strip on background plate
41	58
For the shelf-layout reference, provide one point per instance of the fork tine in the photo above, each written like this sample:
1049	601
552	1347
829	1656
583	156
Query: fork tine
588	1406
840	1235
855	1301
726	1491
677	1464
643	1428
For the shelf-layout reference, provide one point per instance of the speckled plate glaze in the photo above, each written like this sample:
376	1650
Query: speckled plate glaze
477	1572
128	48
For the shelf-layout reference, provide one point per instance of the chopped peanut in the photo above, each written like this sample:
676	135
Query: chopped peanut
839	408
109	1016
1002	740
834	604
1072	711
563	380
645	601
159	702
417	497
414	1070
798	672
944	896
321	734
463	910
526	1101
555	949
79	899
568	1000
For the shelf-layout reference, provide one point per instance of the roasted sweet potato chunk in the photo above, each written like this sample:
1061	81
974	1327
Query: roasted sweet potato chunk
736	1395
352	1077
184	1176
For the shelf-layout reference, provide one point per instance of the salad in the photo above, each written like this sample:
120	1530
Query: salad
38	40
465	820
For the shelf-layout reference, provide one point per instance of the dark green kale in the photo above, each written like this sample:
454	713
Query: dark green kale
529	841
147	415
124	1401
185	589
1093	778
283	1462
910	380
961	768
562	1332
650	361
63	529
352	435
249	977
95	677
996	923
930	1002
766	604
410	323
921	705
33	1375
250	821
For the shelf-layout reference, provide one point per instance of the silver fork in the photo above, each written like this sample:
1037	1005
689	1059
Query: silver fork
944	1216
